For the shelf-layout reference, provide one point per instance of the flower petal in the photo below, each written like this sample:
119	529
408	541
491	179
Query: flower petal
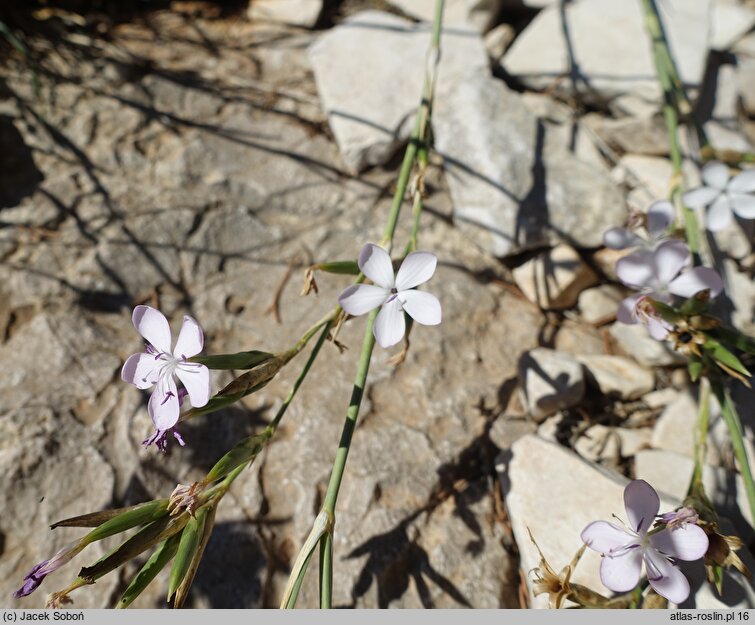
153	326
743	205
376	265
390	325
422	307
190	340
605	537
695	280
669	258
625	313
196	380
620	238
688	542
635	269
163	406
660	216
743	182
621	573
417	268
641	503
658	328
702	196
141	370
362	298
667	580
715	175
719	215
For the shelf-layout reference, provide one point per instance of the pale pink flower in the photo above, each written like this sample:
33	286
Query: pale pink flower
159	366
723	195
396	294
625	549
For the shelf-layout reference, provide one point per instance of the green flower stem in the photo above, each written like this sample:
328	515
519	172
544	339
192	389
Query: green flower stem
357	392
736	433
674	99
418	137
701	436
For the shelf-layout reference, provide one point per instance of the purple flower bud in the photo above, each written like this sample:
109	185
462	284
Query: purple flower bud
35	577
679	518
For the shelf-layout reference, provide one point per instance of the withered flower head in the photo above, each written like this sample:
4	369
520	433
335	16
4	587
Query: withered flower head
545	579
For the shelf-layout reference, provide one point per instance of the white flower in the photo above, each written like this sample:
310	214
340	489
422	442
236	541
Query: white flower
624	549
723	195
396	294
660	275
657	221
159	365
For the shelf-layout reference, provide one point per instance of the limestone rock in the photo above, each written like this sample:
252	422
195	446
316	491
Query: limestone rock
599	304
554	279
618	376
596	48
514	186
479	13
296	12
551	380
635	341
386	54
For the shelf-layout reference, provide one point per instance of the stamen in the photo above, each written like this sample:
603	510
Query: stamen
168	395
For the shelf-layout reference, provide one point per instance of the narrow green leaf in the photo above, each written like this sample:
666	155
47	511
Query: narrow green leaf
735	338
293	594
239	360
96	519
131	517
695	368
157	561
719	353
183	589
666	312
144	539
186	549
344	267
242	453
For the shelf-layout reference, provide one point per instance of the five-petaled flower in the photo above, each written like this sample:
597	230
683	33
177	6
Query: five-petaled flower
657	221
723	195
660	275
159	366
396	294
624	549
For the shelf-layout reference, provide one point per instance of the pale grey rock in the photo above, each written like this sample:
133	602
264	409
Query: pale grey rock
609	445
670	472
729	21
676	426
478	13
635	342
632	134
618	376
515	187
387	54
745	79
498	40
506	430
741	290
296	12
554	279
661	397
597	42
599	304
579	338
551	380
653	174
736	241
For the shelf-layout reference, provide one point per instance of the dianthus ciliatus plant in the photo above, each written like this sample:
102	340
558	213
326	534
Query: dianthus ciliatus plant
674	292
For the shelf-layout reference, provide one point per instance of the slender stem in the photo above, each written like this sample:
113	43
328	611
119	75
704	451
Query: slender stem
357	392
673	99
733	423
701	436
326	571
